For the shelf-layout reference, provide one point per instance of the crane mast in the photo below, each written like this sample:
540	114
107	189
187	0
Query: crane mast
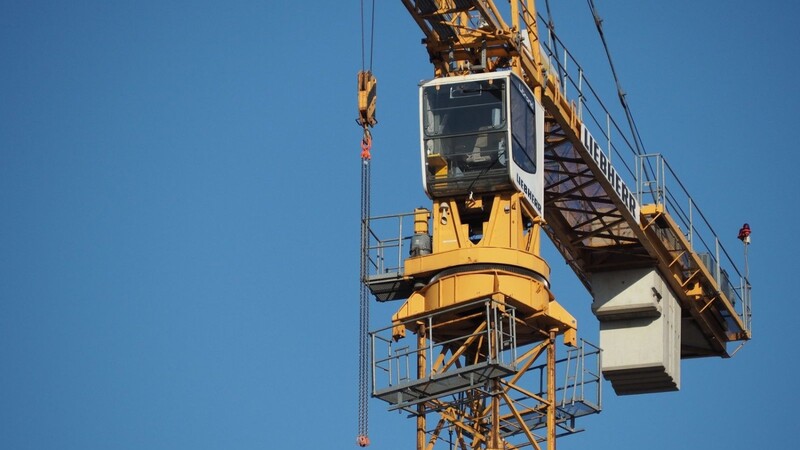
507	157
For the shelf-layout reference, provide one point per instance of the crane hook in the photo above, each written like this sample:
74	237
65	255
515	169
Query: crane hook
366	145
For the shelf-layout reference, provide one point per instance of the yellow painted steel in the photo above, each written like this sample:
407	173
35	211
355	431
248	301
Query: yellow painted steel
533	301
367	98
697	289
502	266
497	43
482	248
486	267
489	247
421	217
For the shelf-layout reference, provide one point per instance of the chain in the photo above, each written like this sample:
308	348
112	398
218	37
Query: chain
363	323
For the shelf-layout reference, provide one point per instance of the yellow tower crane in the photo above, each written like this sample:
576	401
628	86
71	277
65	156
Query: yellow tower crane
506	154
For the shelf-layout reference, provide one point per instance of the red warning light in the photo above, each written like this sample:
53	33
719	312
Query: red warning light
744	233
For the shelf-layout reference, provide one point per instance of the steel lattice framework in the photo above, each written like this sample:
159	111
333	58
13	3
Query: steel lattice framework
482	332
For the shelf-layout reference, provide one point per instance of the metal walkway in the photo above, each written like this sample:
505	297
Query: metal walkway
454	379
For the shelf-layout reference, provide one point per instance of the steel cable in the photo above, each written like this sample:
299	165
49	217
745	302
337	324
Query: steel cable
637	138
363	303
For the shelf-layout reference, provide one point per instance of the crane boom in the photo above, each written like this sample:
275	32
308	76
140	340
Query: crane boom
593	216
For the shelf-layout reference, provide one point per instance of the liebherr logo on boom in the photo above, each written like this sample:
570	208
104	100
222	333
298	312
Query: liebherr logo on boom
626	195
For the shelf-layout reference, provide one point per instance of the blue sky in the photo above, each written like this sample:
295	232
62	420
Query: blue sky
179	187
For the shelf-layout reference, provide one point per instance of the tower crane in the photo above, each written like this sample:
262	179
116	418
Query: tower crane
515	145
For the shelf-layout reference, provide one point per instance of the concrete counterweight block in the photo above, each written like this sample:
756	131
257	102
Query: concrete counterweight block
640	331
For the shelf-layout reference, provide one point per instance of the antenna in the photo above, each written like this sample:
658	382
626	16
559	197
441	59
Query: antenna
744	236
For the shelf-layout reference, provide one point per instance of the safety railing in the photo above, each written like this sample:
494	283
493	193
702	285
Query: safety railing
389	244
667	190
446	364
619	141
582	380
649	172
405	374
578	390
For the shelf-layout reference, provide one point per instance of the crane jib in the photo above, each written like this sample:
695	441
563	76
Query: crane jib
627	196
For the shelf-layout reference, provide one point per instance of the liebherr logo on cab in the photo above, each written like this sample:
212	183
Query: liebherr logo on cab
529	194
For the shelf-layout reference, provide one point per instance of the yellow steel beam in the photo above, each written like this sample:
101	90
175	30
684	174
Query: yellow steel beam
503	46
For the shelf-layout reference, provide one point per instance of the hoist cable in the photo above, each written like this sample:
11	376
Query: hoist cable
362	438
364	37
637	138
372	35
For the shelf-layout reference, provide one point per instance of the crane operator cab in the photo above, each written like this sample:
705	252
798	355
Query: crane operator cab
481	134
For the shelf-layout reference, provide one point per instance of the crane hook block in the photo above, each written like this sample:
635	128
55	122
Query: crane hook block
367	96
362	441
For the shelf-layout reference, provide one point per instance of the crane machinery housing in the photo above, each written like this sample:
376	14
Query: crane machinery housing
515	144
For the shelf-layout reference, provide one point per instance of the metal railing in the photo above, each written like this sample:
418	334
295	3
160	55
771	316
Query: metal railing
578	392
649	172
620	143
581	388
667	190
387	246
395	363
453	363
582	379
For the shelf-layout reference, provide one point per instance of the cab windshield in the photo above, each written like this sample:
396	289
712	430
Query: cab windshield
465	134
